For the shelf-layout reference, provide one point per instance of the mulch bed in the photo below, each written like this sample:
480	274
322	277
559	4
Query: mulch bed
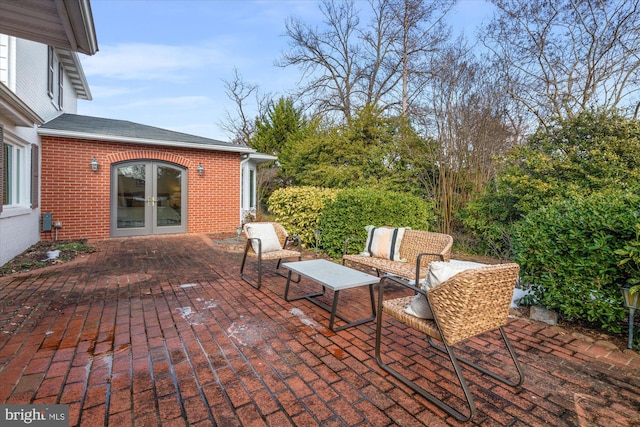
36	256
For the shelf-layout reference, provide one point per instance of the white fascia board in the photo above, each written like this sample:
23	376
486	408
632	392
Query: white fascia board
76	20
262	157
112	138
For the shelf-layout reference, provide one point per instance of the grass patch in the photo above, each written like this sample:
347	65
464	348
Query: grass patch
73	246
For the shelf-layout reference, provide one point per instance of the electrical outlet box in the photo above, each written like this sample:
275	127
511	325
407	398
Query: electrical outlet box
46	221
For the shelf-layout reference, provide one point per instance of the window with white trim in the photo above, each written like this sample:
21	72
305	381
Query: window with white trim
15	182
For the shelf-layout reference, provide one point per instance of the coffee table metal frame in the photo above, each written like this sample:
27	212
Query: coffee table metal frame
335	277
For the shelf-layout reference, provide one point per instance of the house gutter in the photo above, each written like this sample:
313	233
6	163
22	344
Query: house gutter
143	141
244	159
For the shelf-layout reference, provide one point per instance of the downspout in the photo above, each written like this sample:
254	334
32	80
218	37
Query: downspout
244	159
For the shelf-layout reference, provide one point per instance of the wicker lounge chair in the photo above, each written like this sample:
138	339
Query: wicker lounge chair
418	248
470	303
256	243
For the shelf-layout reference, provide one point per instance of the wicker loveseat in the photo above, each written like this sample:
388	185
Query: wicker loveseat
418	248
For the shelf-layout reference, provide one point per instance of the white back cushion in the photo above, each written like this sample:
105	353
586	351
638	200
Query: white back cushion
439	272
267	235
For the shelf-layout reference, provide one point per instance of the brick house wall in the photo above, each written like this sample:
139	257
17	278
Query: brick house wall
80	197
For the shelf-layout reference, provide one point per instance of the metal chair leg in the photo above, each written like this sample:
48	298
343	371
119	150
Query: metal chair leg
486	371
258	284
244	261
285	275
421	391
456	366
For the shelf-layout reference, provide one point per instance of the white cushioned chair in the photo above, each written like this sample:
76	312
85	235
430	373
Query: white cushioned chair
268	241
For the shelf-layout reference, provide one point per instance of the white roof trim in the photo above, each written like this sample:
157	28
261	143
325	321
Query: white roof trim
262	157
112	138
73	69
65	24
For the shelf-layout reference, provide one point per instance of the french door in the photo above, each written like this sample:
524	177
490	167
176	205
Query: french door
148	197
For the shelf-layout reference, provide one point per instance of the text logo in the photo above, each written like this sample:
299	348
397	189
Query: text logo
34	415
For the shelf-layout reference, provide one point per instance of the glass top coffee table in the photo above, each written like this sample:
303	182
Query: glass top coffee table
335	277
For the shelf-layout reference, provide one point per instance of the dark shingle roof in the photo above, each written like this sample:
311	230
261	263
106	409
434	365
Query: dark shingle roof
101	128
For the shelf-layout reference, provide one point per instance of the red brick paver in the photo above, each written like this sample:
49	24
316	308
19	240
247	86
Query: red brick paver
162	331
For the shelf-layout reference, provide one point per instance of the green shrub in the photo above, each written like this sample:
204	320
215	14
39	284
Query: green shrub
567	252
630	260
353	209
298	209
489	221
591	152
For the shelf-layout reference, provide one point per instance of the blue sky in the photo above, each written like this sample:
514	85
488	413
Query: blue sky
164	62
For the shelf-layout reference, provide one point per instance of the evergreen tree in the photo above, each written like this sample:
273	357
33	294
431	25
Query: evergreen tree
282	125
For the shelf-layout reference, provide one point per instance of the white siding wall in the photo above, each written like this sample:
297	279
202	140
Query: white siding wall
70	101
246	167
4	60
31	82
19	225
23	69
31	85
17	234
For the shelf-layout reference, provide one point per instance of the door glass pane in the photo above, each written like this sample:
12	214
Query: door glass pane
169	196
131	196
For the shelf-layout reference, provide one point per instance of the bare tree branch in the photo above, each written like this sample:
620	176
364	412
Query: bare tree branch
238	124
566	56
346	66
328	58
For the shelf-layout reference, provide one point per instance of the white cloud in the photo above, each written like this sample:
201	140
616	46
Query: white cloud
189	102
104	92
142	61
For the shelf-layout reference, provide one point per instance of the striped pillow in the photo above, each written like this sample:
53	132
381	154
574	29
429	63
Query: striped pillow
384	242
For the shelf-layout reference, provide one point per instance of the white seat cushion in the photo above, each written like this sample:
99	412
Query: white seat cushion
419	307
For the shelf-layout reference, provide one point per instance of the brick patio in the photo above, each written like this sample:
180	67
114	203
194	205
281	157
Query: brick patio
162	331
